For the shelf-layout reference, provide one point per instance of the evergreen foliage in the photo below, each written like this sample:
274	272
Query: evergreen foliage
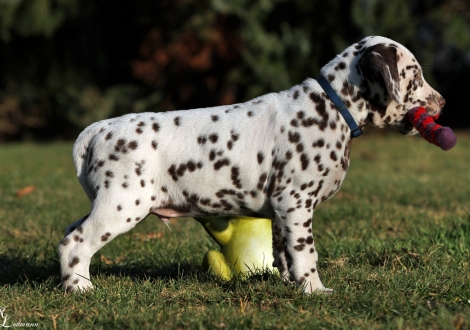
67	63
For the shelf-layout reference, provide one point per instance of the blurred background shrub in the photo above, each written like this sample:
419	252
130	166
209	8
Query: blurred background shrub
67	63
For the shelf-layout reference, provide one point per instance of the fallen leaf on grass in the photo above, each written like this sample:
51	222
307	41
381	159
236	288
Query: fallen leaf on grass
149	236
25	191
340	262
111	262
54	321
106	260
17	233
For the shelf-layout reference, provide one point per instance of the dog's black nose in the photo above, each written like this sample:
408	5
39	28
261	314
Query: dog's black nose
441	101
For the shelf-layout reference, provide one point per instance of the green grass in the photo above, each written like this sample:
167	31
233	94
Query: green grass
394	245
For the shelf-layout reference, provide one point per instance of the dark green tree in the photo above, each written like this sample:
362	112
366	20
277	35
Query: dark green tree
67	63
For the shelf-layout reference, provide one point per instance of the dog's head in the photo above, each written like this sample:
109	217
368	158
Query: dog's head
382	80
393	83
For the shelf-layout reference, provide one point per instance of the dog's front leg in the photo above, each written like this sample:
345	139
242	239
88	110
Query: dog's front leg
300	253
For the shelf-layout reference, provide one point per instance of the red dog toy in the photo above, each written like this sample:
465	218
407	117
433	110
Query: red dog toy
441	136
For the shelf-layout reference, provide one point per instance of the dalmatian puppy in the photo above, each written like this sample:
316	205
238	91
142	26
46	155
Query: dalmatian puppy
277	156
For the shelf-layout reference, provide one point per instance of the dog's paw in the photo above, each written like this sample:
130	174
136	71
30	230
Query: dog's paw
76	287
325	291
318	291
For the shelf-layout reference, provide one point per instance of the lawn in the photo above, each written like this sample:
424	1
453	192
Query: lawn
394	244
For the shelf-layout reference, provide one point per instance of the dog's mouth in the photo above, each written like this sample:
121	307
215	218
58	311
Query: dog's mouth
403	126
406	128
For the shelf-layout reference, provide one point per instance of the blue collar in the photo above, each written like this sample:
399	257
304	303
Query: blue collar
342	108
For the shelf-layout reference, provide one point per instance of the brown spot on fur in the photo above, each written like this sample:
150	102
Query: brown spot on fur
261	181
213	138
333	156
221	163
294	137
340	66
319	143
304	161
235	177
74	262
201	139
133	145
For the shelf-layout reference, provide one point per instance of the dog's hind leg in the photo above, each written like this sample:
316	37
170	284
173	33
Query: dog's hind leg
86	236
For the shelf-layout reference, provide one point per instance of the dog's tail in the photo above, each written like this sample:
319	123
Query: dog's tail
82	155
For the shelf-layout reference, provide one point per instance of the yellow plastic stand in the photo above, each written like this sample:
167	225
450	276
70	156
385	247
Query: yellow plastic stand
245	245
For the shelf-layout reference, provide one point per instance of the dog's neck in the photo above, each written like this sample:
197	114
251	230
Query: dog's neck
350	92
356	131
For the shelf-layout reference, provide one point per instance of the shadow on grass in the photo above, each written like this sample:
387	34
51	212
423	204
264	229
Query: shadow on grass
16	269
178	271
143	271
19	269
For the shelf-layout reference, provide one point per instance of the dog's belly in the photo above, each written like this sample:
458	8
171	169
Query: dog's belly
166	213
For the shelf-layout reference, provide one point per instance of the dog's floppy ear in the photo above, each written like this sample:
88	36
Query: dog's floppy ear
379	64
